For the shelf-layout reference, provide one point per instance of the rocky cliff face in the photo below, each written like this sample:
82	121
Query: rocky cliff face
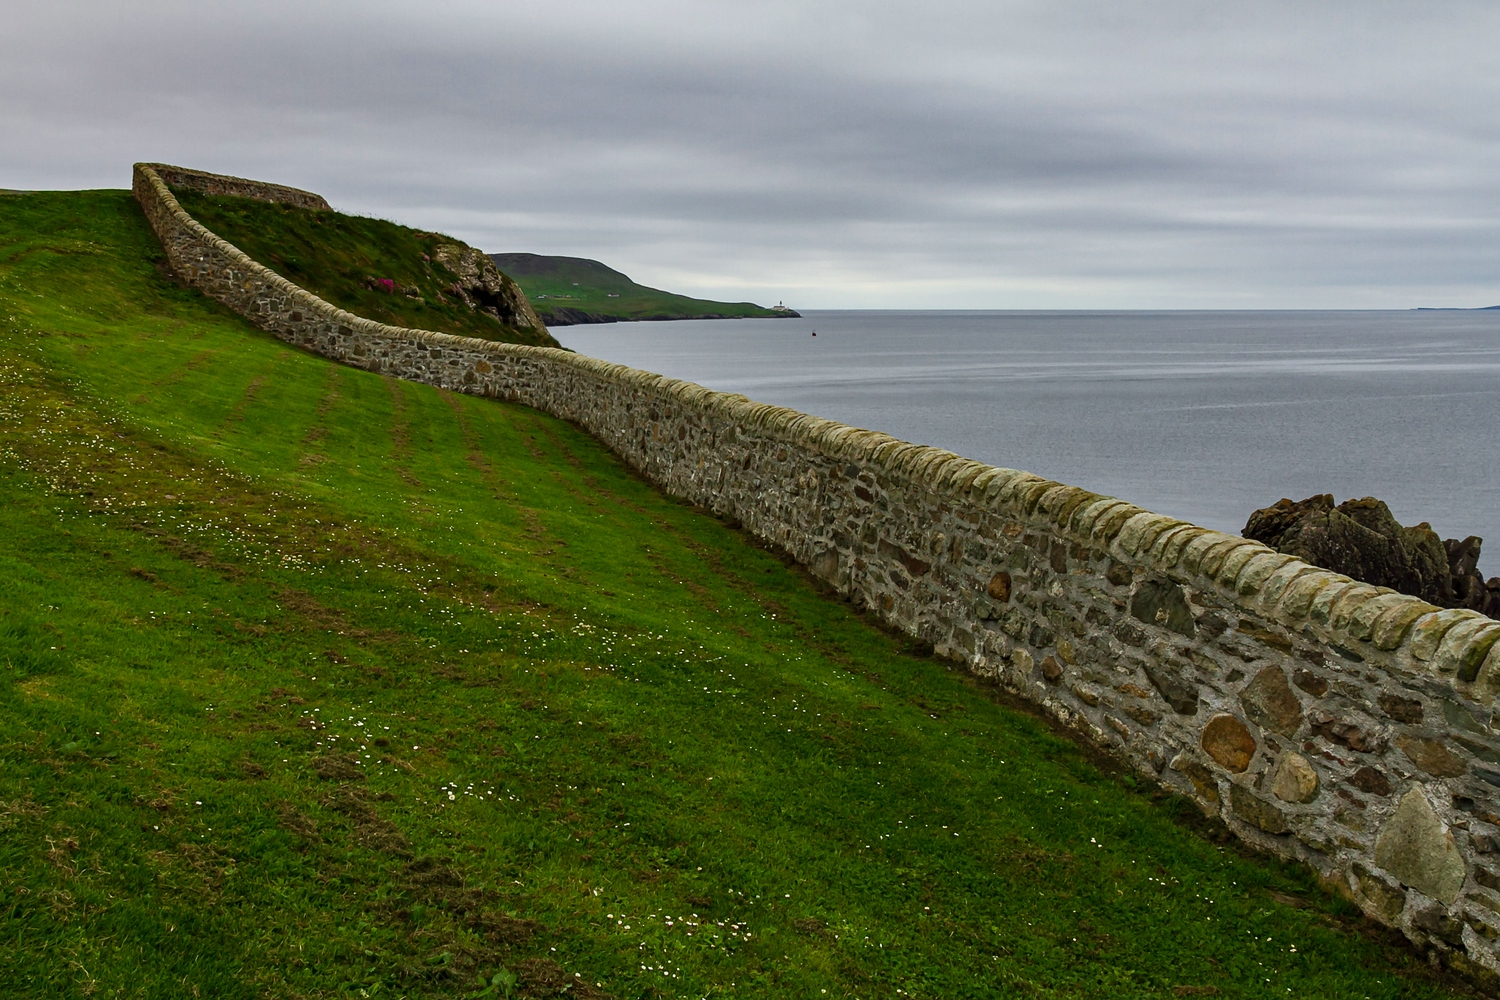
1363	540
481	285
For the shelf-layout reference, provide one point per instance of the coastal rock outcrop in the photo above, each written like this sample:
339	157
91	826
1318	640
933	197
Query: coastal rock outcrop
482	286
566	316
1363	540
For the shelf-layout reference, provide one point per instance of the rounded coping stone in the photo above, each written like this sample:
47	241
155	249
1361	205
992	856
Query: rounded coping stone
1195	550
1054	499
1476	653
783	422
1059	505
1108	525
1031	494
1463	649
1081	498
1012	497
935	467
964	473
1449	652
830	437
1487	683
980	487
1321	607
1170	544
861	445
914	462
881	452
884	461
824	438
957	474
870	453
1348	602
1007	493
920	464
1085	517
1428	632
899	458
963	481
880	455
1236	561
995	487
1137	533
1362	622
1259	569
1152	536
1146	533
758	416
877	448
1270	593
803	427
1393	626
1213	559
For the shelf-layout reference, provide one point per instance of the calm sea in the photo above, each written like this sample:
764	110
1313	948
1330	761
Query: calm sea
1201	415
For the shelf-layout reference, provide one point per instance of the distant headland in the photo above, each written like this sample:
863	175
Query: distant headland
569	290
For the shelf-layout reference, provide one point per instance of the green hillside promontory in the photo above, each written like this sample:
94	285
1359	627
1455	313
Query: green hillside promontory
567	290
376	269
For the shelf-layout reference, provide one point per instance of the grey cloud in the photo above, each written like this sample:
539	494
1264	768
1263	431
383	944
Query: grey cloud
1010	154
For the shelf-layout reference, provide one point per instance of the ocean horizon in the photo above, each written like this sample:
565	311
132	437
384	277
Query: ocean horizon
1202	415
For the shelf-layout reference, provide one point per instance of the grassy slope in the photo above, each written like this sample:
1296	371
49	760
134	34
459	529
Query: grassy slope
587	285
593	709
332	255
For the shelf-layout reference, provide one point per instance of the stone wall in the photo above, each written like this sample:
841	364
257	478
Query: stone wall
1345	725
239	187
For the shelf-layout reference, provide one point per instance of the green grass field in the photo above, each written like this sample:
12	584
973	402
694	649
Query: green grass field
335	256
315	683
559	287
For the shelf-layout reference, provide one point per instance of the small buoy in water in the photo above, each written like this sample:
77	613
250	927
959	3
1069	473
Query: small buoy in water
815	333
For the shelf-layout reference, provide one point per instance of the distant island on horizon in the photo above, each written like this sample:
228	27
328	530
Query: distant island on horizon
566	291
1456	308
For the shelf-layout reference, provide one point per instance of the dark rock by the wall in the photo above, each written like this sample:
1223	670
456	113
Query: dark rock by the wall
1469	588
1363	540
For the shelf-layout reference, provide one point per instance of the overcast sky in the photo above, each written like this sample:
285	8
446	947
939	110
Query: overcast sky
862	155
